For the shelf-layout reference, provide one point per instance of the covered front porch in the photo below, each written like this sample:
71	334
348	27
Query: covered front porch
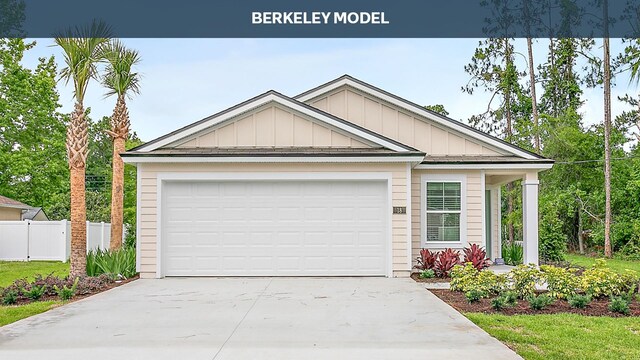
494	180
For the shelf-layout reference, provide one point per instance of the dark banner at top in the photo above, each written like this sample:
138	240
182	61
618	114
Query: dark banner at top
326	18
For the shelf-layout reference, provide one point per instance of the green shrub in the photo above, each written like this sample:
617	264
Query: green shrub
427	274
10	297
65	292
35	292
561	283
118	263
540	302
600	280
474	295
498	303
579	301
619	304
524	279
552	245
506	299
510	298
462	277
512	254
467	277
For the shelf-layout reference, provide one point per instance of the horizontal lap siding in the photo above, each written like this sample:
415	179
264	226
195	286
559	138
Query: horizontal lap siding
474	207
148	202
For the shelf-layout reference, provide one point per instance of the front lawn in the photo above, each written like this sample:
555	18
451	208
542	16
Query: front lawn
615	264
13	270
564	336
9	314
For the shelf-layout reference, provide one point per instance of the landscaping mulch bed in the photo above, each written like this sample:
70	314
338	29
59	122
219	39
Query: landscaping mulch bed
417	278
85	292
597	307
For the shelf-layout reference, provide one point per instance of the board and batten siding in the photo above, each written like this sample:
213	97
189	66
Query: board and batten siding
149	211
271	126
474	207
397	123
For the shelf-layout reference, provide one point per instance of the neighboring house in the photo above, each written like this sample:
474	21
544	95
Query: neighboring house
11	210
344	179
36	214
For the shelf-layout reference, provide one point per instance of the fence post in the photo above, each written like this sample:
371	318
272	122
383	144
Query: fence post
63	256
28	223
102	235
88	232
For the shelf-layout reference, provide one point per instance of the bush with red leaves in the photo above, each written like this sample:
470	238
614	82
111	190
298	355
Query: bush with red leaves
477	256
426	260
447	259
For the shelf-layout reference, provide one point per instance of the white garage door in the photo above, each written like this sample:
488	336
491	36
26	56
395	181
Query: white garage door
274	228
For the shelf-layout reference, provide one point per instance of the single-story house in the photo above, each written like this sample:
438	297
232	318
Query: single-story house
36	214
12	210
345	179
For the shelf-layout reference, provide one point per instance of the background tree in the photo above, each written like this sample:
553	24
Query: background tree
122	81
82	49
32	132
437	108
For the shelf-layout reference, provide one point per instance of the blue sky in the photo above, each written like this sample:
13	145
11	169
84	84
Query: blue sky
185	80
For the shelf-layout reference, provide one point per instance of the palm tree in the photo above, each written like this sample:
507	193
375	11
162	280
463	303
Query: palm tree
82	49
120	80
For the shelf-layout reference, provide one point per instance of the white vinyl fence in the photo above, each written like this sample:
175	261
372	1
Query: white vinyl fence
46	240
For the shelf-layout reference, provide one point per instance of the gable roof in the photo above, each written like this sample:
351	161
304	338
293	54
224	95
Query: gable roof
10	203
419	110
32	213
265	98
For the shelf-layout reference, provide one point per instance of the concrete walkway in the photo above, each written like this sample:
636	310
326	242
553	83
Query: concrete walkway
253	318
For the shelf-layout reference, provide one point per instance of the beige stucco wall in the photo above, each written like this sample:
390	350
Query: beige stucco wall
397	123
10	214
148	201
474	206
272	125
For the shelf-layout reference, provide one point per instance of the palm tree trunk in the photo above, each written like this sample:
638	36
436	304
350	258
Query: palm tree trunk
119	132
117	194
77	150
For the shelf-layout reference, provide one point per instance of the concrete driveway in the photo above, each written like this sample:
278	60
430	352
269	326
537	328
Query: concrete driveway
253	318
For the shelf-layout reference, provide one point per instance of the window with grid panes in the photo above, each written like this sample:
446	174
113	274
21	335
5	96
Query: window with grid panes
443	207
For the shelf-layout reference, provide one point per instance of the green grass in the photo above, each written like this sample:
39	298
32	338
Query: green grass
615	264
564	336
9	314
12	270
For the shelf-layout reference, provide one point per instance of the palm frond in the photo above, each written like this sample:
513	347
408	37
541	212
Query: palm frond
82	47
119	77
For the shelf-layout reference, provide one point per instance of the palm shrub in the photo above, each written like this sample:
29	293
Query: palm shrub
116	263
512	254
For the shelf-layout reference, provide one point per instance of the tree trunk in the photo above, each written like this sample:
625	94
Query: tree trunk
77	150
580	230
607	133
509	134
117	194
119	132
534	102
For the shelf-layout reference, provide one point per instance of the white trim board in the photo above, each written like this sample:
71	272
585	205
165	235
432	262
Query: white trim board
163	177
279	99
424	113
486	166
272	159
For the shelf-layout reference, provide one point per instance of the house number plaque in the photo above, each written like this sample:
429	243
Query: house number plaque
399	209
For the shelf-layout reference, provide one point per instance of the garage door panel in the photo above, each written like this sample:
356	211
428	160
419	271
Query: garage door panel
270	228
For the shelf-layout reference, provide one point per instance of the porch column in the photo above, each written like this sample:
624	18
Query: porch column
530	218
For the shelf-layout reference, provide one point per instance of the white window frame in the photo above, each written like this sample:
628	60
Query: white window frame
459	178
